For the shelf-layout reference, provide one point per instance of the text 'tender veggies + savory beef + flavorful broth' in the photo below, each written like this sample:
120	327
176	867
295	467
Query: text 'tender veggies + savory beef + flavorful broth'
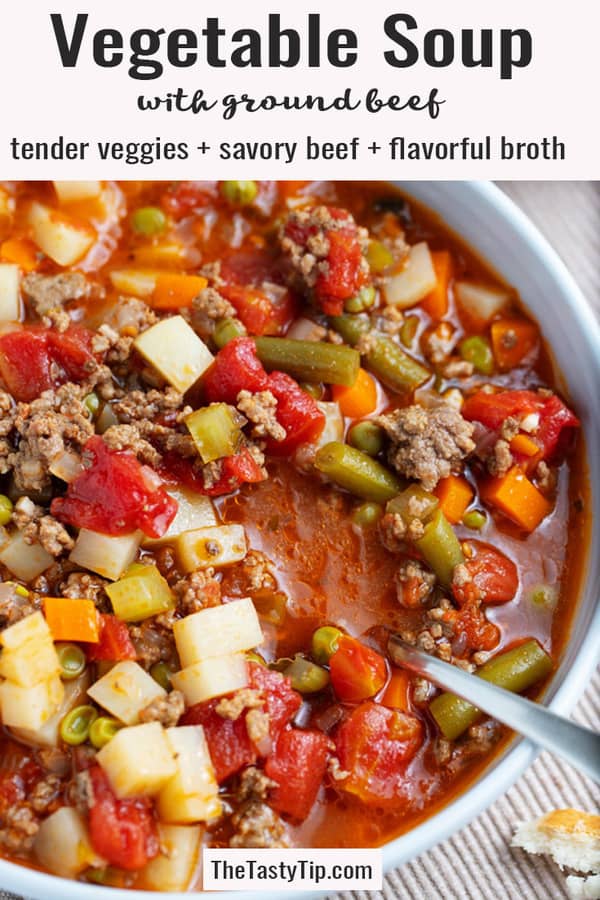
247	430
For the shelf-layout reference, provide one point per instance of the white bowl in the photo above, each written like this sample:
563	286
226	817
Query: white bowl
490	223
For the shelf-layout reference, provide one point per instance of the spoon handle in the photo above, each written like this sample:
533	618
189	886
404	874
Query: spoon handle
578	746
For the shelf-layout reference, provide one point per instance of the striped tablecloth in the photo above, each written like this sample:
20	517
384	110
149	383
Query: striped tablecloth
478	863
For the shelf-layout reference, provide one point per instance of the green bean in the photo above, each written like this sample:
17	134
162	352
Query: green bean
92	404
440	547
71	659
379	257
161	674
306	676
409	329
386	359
362	301
414	503
324	643
474	519
366	436
226	330
356	472
103	730
149	221
6	509
515	670
312	361
367	514
75	727
477	350
239	193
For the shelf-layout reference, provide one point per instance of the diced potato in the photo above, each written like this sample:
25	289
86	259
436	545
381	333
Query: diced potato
30	707
24	560
63	846
211	678
48	734
30	663
174	867
175	351
193	511
230	628
125	691
192	795
216	430
138	760
222	545
73	191
136	282
30	628
10	300
141	592
480	301
107	555
414	281
60	238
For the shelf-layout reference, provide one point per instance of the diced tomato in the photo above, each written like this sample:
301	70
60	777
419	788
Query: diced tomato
297	412
123	832
356	671
236	470
344	276
38	359
229	745
375	745
115	494
472	626
186	196
298	765
261	313
236	368
494	577
556	420
251	267
114	643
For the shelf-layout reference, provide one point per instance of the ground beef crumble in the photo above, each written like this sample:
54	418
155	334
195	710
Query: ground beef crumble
197	591
257	825
36	526
261	410
46	292
232	707
166	710
427	444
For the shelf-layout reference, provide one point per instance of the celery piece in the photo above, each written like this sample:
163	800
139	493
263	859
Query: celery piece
140	593
216	431
441	548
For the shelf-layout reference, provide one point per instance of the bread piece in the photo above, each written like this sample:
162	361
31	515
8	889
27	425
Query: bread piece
570	836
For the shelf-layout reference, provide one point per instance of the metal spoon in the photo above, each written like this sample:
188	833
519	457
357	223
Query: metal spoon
578	746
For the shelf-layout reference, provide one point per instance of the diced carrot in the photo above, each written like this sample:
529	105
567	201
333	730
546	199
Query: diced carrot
512	341
524	445
436	302
395	695
519	499
72	619
21	251
173	291
358	400
454	494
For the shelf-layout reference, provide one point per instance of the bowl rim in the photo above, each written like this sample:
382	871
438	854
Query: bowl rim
497	778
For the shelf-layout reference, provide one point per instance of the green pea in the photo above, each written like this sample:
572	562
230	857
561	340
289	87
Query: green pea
306	676
477	350
149	221
367	514
103	730
316	391
75	727
362	301
226	330
72	661
366	436
379	257
324	643
239	193
409	329
545	596
161	674
475	519
92	404
6	509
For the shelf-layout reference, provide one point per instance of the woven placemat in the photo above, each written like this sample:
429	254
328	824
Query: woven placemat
477	863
